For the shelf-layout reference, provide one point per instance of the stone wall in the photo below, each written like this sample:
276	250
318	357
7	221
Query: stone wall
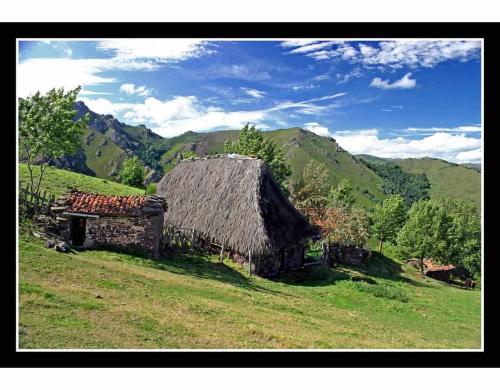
345	254
135	234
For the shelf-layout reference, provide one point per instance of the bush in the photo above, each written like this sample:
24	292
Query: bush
151	189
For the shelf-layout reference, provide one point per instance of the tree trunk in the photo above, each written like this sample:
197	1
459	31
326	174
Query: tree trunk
380	246
422	267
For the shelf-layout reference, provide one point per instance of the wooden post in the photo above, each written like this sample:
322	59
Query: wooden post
222	252
249	262
43	200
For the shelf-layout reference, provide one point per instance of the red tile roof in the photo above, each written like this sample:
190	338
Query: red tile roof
430	266
104	205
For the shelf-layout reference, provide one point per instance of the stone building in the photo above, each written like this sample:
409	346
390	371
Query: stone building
131	223
235	202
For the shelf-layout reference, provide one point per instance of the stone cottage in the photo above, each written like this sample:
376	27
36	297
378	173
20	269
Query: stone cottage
131	223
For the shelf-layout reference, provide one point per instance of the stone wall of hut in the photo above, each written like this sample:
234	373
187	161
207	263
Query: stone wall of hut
136	234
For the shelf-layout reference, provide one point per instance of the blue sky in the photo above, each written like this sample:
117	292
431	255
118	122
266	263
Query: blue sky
403	98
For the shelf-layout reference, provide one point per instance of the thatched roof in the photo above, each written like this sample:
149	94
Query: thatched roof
235	200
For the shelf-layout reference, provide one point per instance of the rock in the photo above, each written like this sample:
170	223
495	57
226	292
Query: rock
98	296
50	243
62	246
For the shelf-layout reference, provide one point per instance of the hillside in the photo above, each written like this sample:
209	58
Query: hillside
58	181
446	179
100	299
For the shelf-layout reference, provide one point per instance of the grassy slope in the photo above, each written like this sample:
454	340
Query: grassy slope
111	155
446	179
195	302
58	181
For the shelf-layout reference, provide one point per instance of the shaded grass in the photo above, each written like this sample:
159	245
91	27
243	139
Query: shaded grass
198	302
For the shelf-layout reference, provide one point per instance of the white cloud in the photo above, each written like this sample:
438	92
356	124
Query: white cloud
344	78
458	129
183	113
312	47
162	50
406	82
316	128
402	53
236	71
304	87
255	93
131	89
297	42
450	147
43	74
85	92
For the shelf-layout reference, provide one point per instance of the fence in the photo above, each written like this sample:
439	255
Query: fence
189	240
33	202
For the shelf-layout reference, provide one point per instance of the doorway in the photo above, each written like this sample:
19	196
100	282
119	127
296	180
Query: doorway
78	228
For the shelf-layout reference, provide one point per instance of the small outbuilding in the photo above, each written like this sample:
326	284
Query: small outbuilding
235	202
131	223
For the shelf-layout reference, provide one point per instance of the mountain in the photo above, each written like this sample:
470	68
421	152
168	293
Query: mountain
445	178
107	142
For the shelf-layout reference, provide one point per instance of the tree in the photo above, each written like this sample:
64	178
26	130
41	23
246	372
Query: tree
310	194
344	226
252	143
47	129
464	234
341	195
188	154
426	232
388	219
132	172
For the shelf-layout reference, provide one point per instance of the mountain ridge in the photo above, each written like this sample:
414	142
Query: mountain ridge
107	142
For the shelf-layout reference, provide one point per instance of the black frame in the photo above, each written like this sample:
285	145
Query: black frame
489	358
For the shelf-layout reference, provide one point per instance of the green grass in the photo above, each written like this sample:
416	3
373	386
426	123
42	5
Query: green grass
100	299
446	179
58	181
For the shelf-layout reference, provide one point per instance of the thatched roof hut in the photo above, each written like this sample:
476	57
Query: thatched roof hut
236	201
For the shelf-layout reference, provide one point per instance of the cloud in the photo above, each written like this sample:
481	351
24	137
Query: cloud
450	147
236	71
312	47
344	78
131	89
458	129
40	74
402	53
304	87
161	50
43	74
255	93
183	113
406	82
316	128
85	92
297	42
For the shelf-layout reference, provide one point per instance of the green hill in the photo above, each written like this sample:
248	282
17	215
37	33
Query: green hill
58	181
446	179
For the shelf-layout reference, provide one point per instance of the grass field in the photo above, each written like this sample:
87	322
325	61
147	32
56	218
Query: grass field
58	181
100	299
